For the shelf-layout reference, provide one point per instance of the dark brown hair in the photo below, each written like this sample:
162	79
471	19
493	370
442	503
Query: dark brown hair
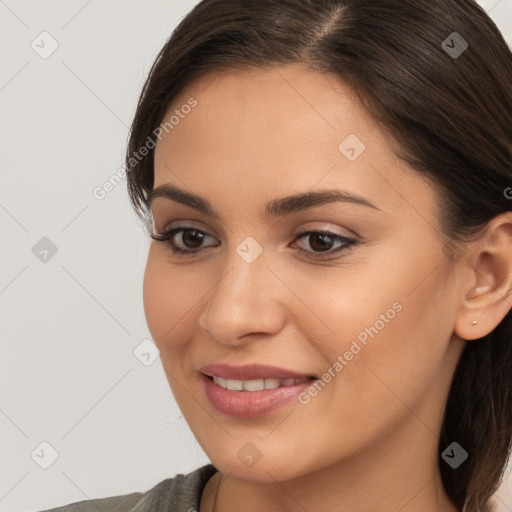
449	115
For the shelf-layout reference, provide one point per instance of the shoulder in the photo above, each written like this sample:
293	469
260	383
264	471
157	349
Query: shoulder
177	494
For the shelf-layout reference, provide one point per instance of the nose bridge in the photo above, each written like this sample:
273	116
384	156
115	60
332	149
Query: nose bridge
240	302
245	270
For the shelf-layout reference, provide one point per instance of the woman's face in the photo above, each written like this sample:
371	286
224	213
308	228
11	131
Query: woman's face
372	321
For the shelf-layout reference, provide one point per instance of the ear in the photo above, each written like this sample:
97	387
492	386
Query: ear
485	280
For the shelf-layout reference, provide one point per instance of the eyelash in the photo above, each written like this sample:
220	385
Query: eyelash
167	236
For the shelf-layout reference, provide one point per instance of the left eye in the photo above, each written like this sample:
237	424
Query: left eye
322	240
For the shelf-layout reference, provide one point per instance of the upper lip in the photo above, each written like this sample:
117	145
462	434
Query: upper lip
250	372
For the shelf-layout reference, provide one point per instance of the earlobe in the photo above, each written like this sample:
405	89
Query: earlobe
486	281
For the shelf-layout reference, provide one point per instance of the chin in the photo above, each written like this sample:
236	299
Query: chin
243	461
262	471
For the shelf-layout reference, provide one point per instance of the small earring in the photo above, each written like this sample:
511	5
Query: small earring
474	322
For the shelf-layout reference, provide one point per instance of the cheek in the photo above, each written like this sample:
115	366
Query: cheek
168	302
396	322
357	302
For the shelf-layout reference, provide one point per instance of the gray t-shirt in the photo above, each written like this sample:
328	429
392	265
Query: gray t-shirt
181	493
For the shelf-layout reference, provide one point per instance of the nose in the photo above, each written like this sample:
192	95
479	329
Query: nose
246	302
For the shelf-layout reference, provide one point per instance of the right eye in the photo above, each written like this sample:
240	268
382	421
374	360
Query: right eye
194	237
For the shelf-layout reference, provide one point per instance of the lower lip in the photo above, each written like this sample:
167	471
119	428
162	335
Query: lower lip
250	404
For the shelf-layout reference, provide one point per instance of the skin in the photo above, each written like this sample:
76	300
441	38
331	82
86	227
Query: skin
368	441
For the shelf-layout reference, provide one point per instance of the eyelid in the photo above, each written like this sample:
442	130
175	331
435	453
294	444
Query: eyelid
170	231
328	229
187	224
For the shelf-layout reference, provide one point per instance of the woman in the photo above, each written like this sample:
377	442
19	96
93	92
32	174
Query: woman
327	185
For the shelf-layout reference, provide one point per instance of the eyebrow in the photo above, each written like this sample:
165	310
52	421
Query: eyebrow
275	208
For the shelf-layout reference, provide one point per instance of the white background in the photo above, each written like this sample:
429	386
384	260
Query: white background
68	374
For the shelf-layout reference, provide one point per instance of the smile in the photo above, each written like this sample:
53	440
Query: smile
256	384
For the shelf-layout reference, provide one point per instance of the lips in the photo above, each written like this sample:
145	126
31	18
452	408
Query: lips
251	372
252	390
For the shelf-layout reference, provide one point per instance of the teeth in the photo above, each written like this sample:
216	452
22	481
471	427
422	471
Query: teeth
253	385
272	383
256	384
221	381
234	385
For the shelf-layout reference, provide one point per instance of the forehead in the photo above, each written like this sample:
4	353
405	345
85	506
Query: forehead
286	104
285	129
